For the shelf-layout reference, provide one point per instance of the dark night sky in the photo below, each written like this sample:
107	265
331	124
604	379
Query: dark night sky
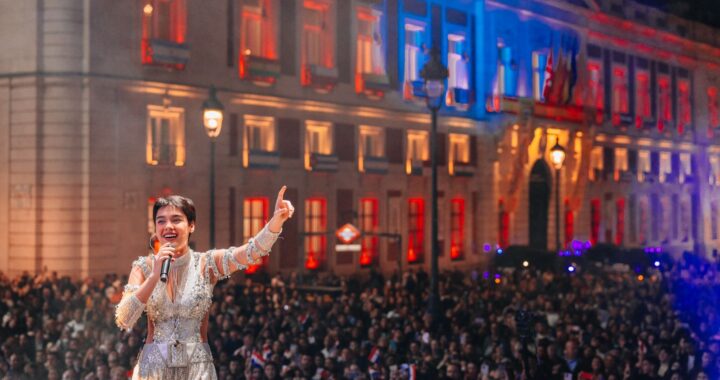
705	11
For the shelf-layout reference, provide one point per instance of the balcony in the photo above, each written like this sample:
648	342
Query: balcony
625	176
323	162
375	165
525	106
167	53
459	97
319	77
262	159
262	71
462	170
415	167
372	85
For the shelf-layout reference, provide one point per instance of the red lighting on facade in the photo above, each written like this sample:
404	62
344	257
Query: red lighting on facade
620	226
569	224
315	227
504	226
369	221
594	221
416	229
457	228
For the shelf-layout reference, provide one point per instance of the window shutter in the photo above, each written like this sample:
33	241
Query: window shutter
393	145
289	138
289	34
345	142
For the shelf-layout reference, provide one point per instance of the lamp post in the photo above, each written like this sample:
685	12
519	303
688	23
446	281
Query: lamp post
434	74
557	157
212	121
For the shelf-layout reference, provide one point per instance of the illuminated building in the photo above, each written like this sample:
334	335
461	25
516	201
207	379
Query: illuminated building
100	113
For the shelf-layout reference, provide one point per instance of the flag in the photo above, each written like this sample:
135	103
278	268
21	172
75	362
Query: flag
374	374
547	86
256	360
411	371
267	352
558	80
374	356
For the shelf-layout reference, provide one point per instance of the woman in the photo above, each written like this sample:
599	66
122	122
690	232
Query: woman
176	346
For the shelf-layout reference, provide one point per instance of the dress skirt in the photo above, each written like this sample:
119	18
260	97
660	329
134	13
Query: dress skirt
175	361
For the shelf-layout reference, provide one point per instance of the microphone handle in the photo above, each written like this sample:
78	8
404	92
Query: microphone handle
164	270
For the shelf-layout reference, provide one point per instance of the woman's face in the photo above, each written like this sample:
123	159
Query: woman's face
171	226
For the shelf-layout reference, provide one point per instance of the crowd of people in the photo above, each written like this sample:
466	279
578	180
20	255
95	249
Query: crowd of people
520	324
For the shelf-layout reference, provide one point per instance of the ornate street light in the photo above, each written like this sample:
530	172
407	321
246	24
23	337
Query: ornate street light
557	157
434	74
212	121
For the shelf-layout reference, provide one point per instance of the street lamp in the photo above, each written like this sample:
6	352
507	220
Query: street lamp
212	121
434	75
557	157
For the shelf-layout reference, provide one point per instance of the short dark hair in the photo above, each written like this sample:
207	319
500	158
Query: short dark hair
186	205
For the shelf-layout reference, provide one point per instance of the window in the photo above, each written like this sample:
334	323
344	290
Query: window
369	221
621	162
315	229
165	136
714	170
417	149
596	94
539	64
665	165
318	38
664	102
318	140
596	163
683	106
259	30
644	165
594	221
162	21
416	230
415	55
370	42
569	224
620	222
372	145
255	215
457	229
713	114
259	136
503	226
643	110
458	76
507	68
714	221
685	166
620	101
459	150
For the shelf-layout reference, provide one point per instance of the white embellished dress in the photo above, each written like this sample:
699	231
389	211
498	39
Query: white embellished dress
177	350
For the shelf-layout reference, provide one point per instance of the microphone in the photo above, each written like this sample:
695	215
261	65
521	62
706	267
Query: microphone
165	269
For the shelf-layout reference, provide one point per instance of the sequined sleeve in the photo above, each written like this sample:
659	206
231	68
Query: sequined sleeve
260	245
130	308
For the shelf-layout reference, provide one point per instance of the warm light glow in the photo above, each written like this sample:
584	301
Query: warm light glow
148	10
557	156
212	120
526	264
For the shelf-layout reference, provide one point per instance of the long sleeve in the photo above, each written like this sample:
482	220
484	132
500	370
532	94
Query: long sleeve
130	308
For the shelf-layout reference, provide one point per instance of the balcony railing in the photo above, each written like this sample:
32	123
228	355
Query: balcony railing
262	159
323	162
259	69
163	52
375	165
320	77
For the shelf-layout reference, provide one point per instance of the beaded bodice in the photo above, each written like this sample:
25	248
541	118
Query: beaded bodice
180	319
